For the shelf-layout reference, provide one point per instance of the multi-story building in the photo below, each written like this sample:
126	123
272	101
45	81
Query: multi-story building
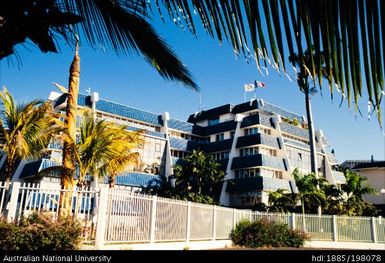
257	143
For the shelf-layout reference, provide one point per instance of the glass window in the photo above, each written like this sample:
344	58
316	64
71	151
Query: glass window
213	121
220	137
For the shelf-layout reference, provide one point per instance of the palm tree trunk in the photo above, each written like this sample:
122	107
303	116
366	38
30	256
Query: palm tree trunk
67	178
313	154
309	115
111	181
9	167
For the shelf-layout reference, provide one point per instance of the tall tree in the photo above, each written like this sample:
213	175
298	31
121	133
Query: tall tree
281	201
199	174
25	130
116	24
348	32
308	88
354	189
310	195
104	149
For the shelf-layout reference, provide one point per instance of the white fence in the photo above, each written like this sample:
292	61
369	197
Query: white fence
111	216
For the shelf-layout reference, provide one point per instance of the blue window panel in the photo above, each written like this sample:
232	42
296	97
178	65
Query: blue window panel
291	129
182	144
152	133
275	109
273	184
274	162
137	179
180	125
128	112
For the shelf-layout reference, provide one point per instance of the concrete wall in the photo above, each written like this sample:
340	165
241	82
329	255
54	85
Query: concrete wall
220	244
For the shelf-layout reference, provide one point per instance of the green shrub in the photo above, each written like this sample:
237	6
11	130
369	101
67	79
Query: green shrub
264	233
40	232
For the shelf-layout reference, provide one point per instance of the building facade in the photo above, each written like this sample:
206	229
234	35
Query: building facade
257	144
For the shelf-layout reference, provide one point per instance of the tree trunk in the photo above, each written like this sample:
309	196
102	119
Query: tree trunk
9	167
67	178
111	181
313	154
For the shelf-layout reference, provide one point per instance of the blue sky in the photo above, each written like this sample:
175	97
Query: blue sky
221	76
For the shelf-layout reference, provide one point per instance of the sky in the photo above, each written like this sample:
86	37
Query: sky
220	75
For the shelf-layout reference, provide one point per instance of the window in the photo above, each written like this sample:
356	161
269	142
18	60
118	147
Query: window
247	173
220	137
251	131
232	135
213	121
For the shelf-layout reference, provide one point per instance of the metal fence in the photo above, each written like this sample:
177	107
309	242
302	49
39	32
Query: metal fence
122	216
25	199
2	197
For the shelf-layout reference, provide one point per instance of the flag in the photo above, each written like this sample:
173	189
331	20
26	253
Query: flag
249	87
260	84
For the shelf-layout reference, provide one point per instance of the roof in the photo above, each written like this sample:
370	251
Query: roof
243	107
351	163
375	164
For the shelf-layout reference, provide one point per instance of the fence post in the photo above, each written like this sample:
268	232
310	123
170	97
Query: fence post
214	230
293	221
12	204
101	218
335	228
188	224
153	219
250	215
374	230
234	218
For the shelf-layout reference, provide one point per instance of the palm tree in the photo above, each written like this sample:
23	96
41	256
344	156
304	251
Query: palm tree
347	32
354	189
104	148
25	129
281	201
273	27
334	204
310	195
120	25
305	68
199	174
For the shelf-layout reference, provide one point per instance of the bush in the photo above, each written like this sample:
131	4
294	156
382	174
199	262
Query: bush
40	232
264	233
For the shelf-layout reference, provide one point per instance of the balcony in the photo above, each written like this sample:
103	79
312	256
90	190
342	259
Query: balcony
255	139
258	160
220	127
257	118
217	146
257	184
